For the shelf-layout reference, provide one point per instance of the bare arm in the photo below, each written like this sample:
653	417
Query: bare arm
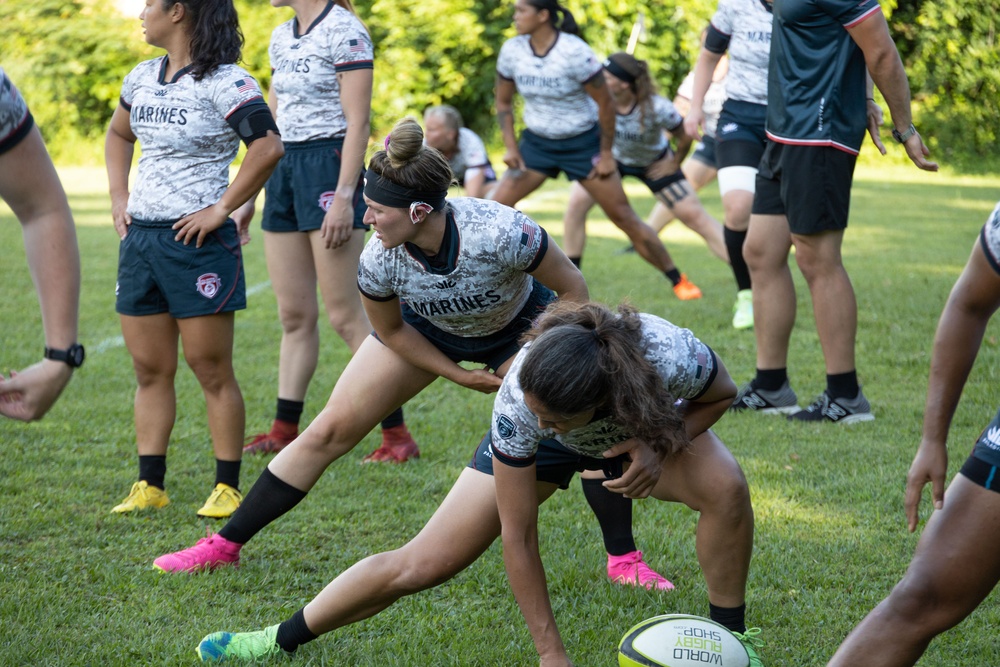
410	344
886	70
356	99
973	301
598	91
30	186
517	501
560	275
504	100
704	68
119	147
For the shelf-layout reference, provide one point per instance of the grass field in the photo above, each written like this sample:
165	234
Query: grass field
77	586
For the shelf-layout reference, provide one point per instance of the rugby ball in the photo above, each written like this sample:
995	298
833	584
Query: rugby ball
681	640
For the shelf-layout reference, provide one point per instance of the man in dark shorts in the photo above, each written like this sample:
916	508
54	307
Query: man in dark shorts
816	121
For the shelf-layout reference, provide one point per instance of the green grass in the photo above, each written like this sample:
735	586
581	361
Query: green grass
76	586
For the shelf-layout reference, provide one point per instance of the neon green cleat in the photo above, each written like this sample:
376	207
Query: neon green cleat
220	646
142	497
750	640
222	503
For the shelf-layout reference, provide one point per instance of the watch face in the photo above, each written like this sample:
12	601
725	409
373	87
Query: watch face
76	355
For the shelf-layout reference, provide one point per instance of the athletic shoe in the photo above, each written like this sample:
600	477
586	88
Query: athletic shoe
686	290
268	443
142	497
780	402
220	646
222	503
631	570
397	446
743	310
207	554
836	410
751	642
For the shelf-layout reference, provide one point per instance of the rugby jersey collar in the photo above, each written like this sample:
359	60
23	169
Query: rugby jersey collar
446	259
177	75
322	15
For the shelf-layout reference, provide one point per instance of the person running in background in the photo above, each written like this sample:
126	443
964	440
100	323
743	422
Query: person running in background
464	150
956	563
701	167
443	281
743	29
643	128
313	214
570	125
180	268
592	389
30	185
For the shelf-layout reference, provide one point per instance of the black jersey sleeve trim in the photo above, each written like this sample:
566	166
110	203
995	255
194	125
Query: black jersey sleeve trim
543	248
356	65
711	376
716	41
993	261
125	105
374	297
252	121
511	461
14	138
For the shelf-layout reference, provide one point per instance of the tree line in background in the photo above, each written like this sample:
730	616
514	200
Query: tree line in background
68	57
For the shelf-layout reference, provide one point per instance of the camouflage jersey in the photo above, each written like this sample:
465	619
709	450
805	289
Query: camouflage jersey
639	137
15	119
304	72
686	365
743	27
478	281
712	106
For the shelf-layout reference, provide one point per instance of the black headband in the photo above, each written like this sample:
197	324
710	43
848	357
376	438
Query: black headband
383	191
618	71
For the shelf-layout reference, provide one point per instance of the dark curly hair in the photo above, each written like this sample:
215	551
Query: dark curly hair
216	38
584	355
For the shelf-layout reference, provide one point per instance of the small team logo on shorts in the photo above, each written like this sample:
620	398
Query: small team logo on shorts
208	285
729	127
505	427
326	199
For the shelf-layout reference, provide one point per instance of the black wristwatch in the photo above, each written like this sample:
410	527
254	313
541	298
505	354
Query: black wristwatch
73	356
901	137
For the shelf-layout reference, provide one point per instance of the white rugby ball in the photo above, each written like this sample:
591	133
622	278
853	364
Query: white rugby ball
681	640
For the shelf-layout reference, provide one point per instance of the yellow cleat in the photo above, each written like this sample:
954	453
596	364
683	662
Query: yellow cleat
222	503
142	497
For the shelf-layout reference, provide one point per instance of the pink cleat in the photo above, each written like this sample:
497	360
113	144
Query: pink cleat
207	554
631	570
397	446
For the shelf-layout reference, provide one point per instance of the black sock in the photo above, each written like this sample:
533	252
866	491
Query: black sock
395	419
576	261
734	244
842	385
674	275
294	632
614	513
152	469
770	379
268	499
733	618
289	411
228	472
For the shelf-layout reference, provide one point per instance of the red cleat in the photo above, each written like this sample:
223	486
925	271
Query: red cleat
397	446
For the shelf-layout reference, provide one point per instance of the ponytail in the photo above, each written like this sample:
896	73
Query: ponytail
584	356
559	17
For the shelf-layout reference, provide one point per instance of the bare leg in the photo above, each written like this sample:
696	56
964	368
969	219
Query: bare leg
462	528
708	479
514	187
375	382
766	250
208	350
694	216
954	568
575	221
834	305
152	342
337	271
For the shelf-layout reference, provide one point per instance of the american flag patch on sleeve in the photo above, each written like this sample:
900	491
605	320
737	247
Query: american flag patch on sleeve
356	46
527	234
245	86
